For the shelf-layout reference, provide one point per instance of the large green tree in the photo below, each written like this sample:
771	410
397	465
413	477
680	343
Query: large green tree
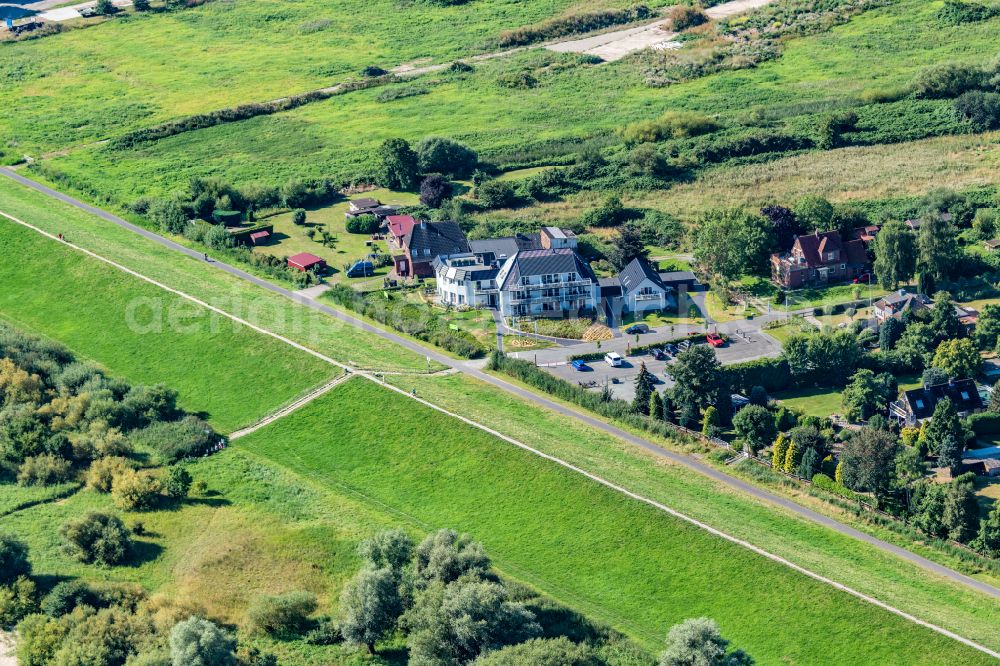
944	434
370	605
959	359
627	244
988	327
730	244
696	377
938	247
895	255
14	561
755	426
455	623
869	461
814	213
643	390
397	165
868	394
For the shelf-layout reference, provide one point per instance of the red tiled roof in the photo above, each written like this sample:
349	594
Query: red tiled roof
400	225
304	260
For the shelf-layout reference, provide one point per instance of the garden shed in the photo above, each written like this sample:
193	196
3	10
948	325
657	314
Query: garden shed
305	261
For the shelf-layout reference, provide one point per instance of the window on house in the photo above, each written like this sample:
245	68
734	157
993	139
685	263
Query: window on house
830	256
965	395
843	266
920	404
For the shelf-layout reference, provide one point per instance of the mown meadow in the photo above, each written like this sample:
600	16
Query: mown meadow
274	312
149	335
620	560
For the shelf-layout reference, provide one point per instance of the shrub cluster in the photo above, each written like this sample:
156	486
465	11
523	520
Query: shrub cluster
420	322
569	25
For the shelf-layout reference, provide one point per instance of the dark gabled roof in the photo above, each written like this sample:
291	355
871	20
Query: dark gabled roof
814	246
611	287
636	272
678	277
543	262
363	203
899	302
963	394
438	237
492	249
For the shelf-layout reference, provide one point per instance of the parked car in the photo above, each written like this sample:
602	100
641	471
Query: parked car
637	328
864	278
613	359
670	348
579	365
715	339
361	269
658	353
684	345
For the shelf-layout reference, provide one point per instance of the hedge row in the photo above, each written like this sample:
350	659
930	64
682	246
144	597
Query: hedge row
984	423
824	482
237	113
771	373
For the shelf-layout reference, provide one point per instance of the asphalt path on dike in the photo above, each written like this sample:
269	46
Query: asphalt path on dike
472	370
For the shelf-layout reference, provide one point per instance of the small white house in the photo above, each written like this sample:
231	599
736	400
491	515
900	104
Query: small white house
642	288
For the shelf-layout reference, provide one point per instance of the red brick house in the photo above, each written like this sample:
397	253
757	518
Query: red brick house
820	258
425	241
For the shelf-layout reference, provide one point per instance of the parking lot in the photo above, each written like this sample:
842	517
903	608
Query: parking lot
621	380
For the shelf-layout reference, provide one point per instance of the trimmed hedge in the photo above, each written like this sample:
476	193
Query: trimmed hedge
984	423
771	373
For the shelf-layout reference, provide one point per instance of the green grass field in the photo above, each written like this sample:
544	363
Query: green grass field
839	557
616	558
261	530
272	311
332	138
140	70
139	331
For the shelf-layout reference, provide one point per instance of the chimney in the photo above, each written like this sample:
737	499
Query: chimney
423	224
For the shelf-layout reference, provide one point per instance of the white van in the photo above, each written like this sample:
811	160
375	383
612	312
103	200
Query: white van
613	359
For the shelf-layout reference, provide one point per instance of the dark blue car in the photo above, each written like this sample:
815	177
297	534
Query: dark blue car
361	269
580	366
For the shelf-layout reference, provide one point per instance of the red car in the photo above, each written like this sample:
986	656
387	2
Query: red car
715	339
864	278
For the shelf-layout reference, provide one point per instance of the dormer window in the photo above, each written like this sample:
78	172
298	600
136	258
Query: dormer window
830	256
920	404
965	395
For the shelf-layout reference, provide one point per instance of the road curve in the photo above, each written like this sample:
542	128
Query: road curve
469	369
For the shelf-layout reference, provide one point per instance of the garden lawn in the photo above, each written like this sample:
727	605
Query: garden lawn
289	238
274	312
231	374
820	402
616	558
813	546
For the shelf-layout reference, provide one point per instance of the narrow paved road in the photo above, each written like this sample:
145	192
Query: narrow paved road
473	371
